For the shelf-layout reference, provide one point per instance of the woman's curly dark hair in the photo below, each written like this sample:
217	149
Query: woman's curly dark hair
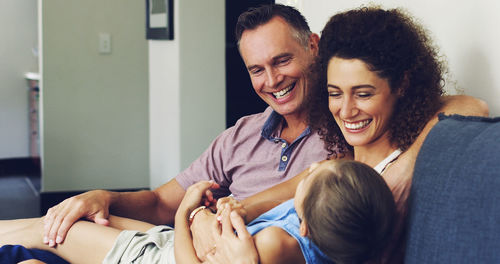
396	49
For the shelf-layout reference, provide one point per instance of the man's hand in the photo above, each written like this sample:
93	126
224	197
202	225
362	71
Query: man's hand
93	205
233	248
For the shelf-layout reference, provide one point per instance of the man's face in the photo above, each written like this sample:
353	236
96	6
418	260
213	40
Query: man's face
277	65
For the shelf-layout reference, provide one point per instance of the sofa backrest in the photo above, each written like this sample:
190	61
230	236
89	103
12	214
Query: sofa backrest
454	204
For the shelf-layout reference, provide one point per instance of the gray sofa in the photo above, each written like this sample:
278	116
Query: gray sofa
454	206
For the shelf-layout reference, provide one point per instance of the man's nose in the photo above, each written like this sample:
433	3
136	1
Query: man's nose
273	78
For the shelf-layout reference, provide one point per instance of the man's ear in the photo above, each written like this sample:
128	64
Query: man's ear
304	231
313	43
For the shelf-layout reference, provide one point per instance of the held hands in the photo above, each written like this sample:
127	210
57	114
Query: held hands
91	205
231	248
233	204
196	195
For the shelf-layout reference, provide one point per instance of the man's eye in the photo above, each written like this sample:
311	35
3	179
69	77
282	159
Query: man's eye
283	61
255	71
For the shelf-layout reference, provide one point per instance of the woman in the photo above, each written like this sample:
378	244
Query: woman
352	229
378	85
383	85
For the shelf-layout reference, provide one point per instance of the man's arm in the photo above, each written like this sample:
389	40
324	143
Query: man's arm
464	105
262	202
456	104
157	207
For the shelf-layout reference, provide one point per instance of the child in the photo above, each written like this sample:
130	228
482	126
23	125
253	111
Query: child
343	208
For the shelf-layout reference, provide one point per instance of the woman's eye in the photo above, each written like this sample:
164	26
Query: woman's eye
334	94
364	95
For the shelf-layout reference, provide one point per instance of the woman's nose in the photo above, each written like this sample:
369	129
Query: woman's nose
348	108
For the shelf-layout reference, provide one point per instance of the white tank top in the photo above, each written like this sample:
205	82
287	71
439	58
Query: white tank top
380	168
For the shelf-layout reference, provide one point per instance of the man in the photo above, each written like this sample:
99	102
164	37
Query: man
258	152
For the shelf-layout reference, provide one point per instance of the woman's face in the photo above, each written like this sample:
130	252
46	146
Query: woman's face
360	101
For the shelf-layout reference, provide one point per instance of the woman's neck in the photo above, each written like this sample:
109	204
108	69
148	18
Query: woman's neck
373	153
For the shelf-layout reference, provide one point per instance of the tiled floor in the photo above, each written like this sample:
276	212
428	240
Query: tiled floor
19	197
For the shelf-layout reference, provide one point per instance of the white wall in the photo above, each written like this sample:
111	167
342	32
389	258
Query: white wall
18	34
187	87
95	106
466	31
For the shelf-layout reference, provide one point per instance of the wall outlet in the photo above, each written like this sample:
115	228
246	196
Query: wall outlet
104	43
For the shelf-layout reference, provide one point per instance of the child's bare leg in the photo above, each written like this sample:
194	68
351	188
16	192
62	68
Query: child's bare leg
122	223
12	225
85	242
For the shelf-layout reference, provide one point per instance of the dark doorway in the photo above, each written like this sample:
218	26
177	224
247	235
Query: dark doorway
241	99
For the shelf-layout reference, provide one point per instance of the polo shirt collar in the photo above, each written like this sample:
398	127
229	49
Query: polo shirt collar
275	122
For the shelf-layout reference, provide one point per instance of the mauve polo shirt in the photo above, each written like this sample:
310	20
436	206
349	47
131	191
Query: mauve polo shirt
250	156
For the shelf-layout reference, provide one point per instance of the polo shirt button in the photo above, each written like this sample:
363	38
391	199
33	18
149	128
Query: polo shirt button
283	145
284	158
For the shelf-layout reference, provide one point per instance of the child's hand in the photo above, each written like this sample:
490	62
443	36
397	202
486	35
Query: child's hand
197	193
232	204
208	199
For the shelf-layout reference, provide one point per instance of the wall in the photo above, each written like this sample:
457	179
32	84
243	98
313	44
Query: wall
187	88
95	106
466	32
18	31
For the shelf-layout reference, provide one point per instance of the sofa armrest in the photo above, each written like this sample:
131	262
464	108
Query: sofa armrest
454	204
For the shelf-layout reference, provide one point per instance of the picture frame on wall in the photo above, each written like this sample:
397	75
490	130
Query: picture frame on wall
159	19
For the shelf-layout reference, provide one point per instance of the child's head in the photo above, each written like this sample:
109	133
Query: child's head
347	210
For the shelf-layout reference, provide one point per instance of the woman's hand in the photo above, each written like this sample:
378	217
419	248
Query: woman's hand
230	247
233	204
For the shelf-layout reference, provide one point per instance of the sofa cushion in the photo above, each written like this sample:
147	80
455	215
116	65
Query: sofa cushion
454	204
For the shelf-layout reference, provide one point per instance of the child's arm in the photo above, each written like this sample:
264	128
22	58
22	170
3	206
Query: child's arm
275	245
270	245
184	250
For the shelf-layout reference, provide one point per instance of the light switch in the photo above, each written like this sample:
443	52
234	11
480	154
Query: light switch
104	43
